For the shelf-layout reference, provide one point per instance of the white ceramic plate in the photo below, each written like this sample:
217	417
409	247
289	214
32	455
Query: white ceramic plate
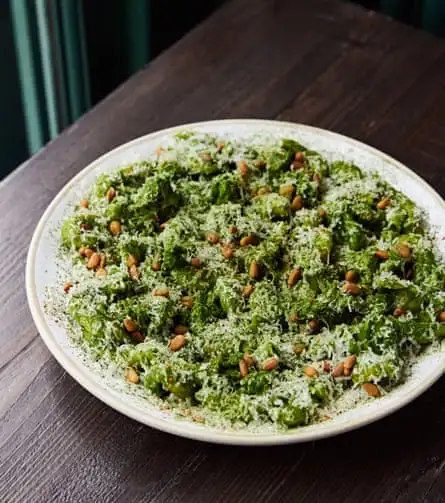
41	271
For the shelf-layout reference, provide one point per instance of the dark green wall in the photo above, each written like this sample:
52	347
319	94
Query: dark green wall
13	149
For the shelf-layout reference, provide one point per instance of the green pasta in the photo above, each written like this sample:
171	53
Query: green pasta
252	284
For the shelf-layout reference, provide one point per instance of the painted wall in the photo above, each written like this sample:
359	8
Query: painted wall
13	149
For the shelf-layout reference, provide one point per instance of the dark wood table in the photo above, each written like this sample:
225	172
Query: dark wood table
321	62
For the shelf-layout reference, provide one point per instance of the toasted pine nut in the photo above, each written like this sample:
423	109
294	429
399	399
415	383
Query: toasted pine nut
219	147
270	364
299	348
156	265
314	325
115	227
398	311
293	277
133	271
255	270
130	325
351	276
248	359
212	238
297	203
103	260
243	369
371	389
296	166
85	227
87	252
287	190
101	272
195	262
248	290
131	375
339	370
137	336
93	261
187	301
404	251
67	286
248	240
442	316
384	203
161	292
351	288
131	260
263	191
382	254
227	251
350	362
233	229
299	156
243	168
326	366
84	203
205	156
111	194
322	212
159	151
310	372
180	330
177	342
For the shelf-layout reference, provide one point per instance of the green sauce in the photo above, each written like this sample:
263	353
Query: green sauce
223	285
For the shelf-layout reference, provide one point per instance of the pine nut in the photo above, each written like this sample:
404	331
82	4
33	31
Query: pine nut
93	261
131	375
351	276
294	276
243	369
297	203
310	372
248	290
371	389
382	254
111	194
177	342
255	271
130	325
384	203
351	288
161	292
270	364
115	227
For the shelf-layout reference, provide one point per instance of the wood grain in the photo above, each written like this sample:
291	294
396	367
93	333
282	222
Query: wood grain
321	62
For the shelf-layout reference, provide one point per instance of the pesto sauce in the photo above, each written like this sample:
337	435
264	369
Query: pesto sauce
203	264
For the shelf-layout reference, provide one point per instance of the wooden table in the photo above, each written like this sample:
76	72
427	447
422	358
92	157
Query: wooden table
321	62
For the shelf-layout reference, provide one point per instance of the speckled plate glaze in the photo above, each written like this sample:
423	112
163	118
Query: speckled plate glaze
41	271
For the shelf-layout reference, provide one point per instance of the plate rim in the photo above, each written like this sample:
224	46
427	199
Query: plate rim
176	426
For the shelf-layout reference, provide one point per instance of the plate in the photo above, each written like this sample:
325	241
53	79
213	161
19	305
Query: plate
42	271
